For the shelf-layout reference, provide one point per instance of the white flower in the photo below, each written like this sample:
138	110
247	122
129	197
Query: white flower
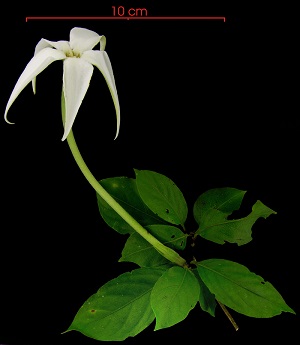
78	60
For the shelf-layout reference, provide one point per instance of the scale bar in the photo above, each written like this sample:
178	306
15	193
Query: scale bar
27	19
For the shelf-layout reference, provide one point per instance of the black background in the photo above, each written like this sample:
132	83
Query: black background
207	103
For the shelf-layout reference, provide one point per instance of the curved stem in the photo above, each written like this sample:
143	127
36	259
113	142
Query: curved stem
167	252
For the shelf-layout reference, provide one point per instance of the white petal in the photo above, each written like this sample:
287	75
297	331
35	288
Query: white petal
60	45
35	66
41	45
101	60
84	39
76	81
64	46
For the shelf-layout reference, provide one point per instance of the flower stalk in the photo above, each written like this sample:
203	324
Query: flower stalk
167	252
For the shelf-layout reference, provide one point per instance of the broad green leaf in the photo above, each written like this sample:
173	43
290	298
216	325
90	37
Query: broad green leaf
173	296
142	253
207	300
124	191
212	209
120	309
241	290
217	201
169	235
162	196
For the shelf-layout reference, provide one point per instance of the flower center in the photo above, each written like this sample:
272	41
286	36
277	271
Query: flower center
71	53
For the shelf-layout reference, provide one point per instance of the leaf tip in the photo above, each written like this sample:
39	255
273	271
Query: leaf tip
66	331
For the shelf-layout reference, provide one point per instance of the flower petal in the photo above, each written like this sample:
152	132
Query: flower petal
101	60
60	45
64	46
76	81
35	66
84	39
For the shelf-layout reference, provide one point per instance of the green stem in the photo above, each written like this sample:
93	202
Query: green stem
230	318
167	252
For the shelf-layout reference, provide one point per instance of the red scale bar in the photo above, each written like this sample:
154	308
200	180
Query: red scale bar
125	18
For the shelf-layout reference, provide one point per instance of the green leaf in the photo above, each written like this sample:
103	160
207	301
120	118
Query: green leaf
142	253
120	309
169	235
214	206
162	196
124	191
139	251
173	296
241	290
207	300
